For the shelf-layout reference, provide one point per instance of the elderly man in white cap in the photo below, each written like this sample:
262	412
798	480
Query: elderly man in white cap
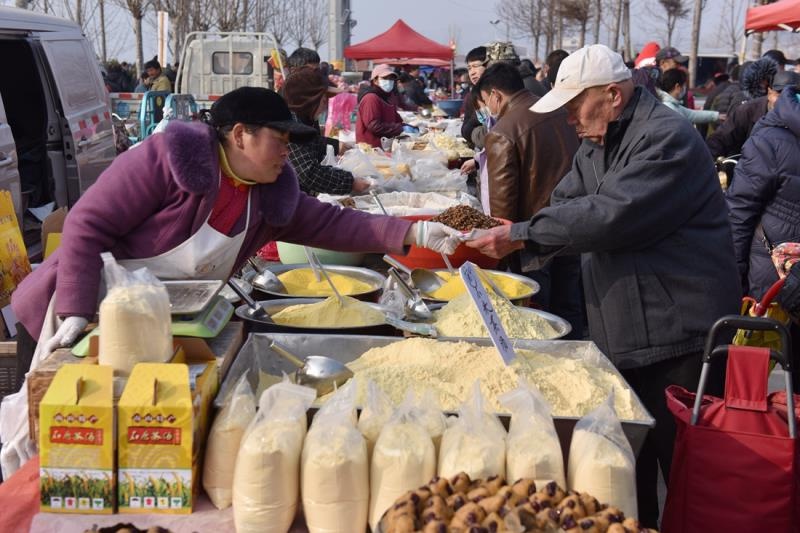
643	206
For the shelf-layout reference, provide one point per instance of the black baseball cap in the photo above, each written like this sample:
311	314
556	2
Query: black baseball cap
778	57
259	107
670	52
783	79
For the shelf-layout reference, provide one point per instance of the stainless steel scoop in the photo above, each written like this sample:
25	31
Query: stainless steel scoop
426	280
266	279
256	311
317	371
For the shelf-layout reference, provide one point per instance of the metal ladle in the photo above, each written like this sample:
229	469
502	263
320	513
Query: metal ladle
322	373
266	279
256	311
318	266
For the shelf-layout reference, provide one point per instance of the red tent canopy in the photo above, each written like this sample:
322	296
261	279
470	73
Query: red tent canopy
782	15
399	41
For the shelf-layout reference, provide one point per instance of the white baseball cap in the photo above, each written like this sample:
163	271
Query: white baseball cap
590	66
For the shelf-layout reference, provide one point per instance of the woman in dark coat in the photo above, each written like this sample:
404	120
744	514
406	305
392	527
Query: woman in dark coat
764	199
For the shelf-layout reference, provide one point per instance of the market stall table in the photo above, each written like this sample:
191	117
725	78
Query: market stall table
19	499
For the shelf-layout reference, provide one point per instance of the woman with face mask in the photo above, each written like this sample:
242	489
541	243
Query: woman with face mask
377	113
672	88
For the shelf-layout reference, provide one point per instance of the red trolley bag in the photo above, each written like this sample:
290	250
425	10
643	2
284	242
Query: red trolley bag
736	466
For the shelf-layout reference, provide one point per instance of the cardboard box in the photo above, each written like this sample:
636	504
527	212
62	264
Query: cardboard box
76	443
155	440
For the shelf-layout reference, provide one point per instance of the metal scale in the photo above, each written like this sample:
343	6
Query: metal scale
197	308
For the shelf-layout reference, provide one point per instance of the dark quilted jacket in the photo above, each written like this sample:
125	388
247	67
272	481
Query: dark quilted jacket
766	189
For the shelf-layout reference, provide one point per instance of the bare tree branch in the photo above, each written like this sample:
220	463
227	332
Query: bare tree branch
579	12
675	10
731	28
528	19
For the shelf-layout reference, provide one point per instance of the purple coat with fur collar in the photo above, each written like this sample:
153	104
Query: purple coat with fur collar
154	197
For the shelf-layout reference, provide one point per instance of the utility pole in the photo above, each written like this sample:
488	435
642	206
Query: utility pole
698	12
616	25
626	20
103	51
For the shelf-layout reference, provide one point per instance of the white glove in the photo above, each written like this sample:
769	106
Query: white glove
66	334
437	237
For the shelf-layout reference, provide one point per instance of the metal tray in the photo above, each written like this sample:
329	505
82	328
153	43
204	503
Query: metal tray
255	357
274	306
521	300
189	297
371	277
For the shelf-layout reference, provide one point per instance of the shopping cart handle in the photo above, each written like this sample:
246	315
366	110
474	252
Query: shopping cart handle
753	323
777	356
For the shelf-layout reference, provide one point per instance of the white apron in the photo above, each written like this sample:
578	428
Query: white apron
208	254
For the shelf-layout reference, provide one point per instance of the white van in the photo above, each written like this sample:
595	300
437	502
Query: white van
55	126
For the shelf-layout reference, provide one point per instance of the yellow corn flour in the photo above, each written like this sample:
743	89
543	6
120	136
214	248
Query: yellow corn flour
460	318
329	313
572	386
301	282
454	287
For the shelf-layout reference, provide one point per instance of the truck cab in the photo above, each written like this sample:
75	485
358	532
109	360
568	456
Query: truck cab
214	63
55	126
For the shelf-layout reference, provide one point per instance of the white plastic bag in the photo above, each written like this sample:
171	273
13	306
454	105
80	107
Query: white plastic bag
135	321
266	479
330	157
532	422
223	443
376	411
335	469
475	443
358	163
404	459
601	460
429	413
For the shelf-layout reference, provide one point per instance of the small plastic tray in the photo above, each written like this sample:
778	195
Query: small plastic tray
191	296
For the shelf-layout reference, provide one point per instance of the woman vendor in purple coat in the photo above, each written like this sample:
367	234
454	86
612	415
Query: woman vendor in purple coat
193	202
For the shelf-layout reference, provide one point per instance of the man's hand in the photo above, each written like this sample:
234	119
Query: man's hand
495	242
361	185
469	166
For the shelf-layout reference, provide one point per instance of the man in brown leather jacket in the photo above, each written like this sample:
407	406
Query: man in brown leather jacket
527	155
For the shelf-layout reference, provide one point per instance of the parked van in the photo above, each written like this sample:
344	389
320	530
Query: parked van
55	126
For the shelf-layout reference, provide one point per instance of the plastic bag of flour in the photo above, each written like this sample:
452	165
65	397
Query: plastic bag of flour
135	321
223	443
335	468
429	413
404	459
601	460
266	479
532	422
375	412
475	443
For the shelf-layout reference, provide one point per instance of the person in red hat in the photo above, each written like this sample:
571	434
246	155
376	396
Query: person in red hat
647	57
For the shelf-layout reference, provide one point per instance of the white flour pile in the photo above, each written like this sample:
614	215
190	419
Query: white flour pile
460	318
573	387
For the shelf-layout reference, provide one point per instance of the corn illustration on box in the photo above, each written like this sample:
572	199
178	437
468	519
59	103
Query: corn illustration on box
155	437
76	441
